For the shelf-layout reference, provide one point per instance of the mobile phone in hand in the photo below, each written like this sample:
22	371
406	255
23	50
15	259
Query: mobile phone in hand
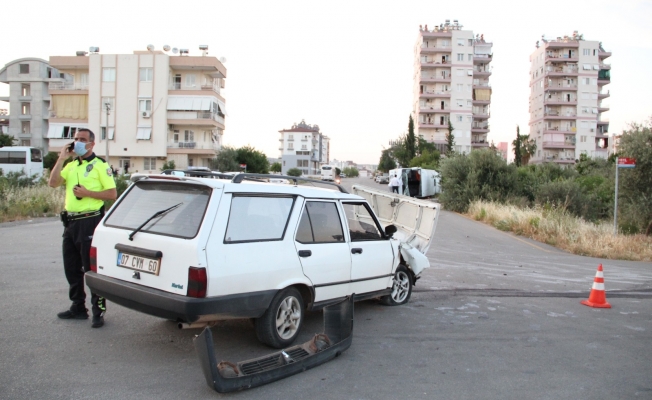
71	147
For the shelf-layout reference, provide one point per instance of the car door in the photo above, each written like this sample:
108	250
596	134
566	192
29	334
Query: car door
372	257
323	251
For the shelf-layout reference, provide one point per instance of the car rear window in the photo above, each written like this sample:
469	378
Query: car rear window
147	198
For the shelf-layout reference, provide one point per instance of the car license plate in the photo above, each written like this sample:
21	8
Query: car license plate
138	263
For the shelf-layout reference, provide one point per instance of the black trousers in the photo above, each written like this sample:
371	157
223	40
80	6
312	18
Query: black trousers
394	189
77	237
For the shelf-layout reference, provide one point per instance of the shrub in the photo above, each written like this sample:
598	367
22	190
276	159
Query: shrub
294	172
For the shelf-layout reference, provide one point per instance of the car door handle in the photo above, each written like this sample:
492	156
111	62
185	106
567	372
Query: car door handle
356	250
305	253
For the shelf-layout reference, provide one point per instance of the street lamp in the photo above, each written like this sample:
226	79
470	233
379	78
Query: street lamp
107	107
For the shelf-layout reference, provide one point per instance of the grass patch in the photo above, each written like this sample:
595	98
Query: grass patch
558	228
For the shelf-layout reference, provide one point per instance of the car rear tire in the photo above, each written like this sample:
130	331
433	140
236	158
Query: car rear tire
401	288
280	324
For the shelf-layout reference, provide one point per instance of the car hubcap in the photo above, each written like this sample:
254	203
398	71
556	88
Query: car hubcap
288	317
400	287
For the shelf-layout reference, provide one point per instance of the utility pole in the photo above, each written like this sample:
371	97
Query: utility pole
107	107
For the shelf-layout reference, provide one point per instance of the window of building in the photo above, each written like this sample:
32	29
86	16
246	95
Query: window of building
460	118
586	66
25	142
445	43
188	136
587	81
304	147
290	146
469	119
470	57
470	42
24	68
190	80
175	137
460	87
586	52
583	139
84	80
468	103
108	74
145	105
460	42
24	109
25	89
25	127
146	74
460	57
290	137
191	162
585	95
460	103
149	163
594	81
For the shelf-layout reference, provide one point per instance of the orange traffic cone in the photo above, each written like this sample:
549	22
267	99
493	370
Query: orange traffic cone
597	298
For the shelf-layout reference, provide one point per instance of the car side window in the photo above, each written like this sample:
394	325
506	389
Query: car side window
362	225
258	218
320	223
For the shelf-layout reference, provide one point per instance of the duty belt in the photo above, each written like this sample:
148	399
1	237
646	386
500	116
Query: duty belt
76	216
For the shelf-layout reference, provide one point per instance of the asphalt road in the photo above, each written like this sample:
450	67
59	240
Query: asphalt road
495	317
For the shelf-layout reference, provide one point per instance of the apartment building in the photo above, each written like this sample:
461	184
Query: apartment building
146	108
567	79
502	149
451	83
304	147
28	99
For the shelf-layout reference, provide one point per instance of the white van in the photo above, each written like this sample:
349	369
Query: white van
197	250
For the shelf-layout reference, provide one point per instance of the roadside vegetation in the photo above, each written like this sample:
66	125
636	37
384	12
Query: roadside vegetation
570	207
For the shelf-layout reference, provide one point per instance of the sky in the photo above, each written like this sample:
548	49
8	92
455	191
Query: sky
346	66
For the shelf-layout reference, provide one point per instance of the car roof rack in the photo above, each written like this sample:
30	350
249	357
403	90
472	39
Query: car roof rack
198	173
258	177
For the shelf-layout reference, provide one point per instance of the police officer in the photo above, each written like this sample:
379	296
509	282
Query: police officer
89	181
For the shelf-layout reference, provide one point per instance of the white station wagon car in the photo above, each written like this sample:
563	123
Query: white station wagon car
196	250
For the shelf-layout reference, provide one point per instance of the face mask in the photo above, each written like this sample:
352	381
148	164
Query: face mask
80	148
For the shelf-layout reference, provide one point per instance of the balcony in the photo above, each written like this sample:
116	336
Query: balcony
482	71
562	43
482	58
559	145
434	94
195	118
480	128
481	115
433	110
605	66
432	50
54	86
24	117
566	130
561	71
560	58
481	85
480	102
602	109
436	34
603	95
603	122
602	54
559	101
604	81
557	86
554	114
435	79
433	125
188	147
436	64
479	144
178	89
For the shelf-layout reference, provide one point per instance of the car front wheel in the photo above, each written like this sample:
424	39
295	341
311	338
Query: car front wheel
401	288
279	326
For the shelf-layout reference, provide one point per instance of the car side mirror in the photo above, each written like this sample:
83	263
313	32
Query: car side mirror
390	230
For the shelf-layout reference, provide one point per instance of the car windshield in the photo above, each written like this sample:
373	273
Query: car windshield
145	198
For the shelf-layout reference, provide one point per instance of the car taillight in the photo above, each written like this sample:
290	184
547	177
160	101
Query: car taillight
93	259
196	282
